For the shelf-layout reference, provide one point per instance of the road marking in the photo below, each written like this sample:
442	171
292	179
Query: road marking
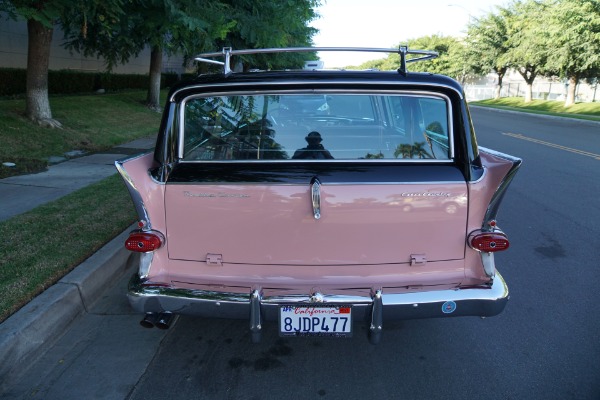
556	146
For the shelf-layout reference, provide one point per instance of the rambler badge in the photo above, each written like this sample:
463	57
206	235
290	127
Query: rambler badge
426	194
220	195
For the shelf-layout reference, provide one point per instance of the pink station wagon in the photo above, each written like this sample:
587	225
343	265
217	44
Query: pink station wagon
318	200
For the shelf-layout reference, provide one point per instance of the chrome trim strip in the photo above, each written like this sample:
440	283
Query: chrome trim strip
328	183
376	328
181	130
325	90
498	154
479	301
412	93
345	160
489	265
255	318
315	191
163	175
482	177
144	264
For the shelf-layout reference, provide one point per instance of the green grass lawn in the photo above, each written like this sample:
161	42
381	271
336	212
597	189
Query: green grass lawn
41	246
589	111
90	123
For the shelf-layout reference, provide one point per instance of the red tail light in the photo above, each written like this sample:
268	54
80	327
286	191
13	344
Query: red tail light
488	242
144	242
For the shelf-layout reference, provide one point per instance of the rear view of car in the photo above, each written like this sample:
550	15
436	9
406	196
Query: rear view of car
317	200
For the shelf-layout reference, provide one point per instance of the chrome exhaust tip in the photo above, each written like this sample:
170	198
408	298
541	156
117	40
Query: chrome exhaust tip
164	320
150	320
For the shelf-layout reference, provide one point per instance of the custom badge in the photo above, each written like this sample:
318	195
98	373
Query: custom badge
448	307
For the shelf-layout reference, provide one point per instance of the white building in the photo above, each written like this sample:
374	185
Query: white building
13	53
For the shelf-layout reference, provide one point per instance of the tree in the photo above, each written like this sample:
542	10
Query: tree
447	63
266	24
573	31
41	16
444	64
487	45
412	150
528	41
189	27
165	26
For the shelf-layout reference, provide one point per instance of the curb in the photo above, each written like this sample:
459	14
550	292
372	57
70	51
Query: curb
554	117
40	323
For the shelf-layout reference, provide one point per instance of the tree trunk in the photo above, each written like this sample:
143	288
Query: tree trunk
529	93
573	81
498	91
153	99
529	73
37	104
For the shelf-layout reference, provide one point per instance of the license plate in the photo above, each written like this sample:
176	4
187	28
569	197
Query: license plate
321	320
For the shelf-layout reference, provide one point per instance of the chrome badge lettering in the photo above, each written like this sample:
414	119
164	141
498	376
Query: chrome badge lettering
426	194
220	195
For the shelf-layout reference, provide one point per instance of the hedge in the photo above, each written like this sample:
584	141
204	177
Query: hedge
12	81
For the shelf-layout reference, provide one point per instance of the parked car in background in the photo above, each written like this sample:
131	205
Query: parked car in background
311	201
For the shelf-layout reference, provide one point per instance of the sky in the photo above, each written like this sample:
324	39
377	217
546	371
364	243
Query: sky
387	23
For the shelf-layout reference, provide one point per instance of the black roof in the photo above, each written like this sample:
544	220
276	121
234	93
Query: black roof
342	79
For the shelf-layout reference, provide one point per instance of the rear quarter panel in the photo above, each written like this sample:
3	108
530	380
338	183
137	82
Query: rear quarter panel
148	199
481	192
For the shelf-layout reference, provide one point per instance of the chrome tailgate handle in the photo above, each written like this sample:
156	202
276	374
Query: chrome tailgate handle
315	191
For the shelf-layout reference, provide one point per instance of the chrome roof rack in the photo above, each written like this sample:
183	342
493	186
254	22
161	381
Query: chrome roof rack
403	51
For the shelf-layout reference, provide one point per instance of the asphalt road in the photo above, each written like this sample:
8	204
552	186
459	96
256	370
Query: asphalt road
546	345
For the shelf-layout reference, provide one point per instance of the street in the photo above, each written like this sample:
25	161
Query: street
545	345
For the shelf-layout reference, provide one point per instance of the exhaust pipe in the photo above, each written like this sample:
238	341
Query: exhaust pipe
149	320
161	321
164	320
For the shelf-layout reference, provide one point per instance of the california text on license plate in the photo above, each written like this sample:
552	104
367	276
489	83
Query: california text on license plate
315	320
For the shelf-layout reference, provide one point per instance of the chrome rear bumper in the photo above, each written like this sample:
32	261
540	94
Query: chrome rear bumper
479	301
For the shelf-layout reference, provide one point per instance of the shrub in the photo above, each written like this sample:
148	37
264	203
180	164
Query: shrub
12	81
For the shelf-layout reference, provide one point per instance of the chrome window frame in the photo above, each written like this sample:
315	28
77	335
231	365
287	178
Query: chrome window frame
409	93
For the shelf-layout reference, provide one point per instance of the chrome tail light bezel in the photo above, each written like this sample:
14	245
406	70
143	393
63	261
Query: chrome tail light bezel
156	238
498	241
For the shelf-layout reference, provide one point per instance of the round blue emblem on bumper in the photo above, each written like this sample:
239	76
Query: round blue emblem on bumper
448	307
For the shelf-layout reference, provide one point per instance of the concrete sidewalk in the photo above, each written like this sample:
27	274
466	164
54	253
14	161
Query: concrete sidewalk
19	194
25	335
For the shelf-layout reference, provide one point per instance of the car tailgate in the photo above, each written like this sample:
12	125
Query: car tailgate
360	223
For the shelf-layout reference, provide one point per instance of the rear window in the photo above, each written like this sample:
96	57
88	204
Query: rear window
326	126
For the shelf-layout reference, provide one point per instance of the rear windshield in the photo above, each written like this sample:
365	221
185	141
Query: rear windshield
316	127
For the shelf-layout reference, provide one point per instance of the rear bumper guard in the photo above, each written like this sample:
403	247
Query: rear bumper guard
376	309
